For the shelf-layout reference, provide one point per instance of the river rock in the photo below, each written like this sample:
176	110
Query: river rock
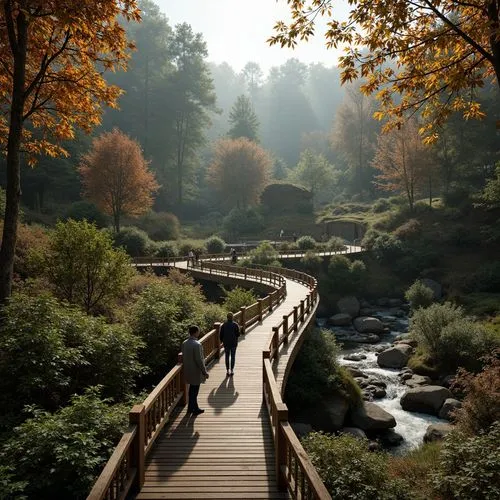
328	415
301	429
418	381
370	417
355	357
405	376
375	391
449	406
394	357
367	311
349	305
354	431
436	288
355	372
427	399
341	319
407	341
367	324
390	438
364	338
437	432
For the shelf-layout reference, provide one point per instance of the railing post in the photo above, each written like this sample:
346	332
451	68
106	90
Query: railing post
217	338
271	295
245	273
184	388
285	329
295	318
259	309
276	340
136	417
280	444
243	320
302	317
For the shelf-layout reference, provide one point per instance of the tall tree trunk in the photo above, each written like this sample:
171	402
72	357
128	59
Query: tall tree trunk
18	41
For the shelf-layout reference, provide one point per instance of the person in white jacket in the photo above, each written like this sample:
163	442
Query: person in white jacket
195	371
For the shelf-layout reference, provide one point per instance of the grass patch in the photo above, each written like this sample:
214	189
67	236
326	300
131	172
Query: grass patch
481	304
421	363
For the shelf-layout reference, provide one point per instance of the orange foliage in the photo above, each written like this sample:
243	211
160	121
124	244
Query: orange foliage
403	160
68	45
239	171
116	176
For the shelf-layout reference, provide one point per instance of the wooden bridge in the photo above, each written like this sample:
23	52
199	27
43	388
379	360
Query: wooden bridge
243	445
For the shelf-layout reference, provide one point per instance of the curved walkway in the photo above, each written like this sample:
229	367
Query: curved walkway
228	451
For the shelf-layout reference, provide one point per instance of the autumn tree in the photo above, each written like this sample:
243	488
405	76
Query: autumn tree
239	171
404	161
52	56
444	51
243	120
116	176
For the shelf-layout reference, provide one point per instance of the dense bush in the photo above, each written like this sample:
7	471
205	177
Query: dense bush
166	249
60	455
335	243
481	405
265	254
161	317
487	278
186	245
469	466
83	265
312	261
84	210
52	350
160	226
134	241
237	298
346	277
316	373
349	469
381	205
240	222
306	243
451	339
214	244
409	230
385	247
419	295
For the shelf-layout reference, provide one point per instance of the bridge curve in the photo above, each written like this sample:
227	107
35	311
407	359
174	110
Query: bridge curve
243	445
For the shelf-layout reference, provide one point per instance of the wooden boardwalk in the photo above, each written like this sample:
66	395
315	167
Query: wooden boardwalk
227	452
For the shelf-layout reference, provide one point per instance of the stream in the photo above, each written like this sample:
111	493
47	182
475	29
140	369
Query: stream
410	425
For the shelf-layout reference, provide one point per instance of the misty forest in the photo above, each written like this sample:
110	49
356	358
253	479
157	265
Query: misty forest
127	153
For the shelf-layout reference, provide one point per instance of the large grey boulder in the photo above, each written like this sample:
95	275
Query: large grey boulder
354	431
341	319
349	305
368	324
328	415
428	399
418	381
301	429
394	357
437	432
370	417
364	338
449	406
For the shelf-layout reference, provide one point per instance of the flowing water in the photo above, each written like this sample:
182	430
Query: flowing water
410	425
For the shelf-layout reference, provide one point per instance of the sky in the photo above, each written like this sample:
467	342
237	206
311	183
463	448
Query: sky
236	31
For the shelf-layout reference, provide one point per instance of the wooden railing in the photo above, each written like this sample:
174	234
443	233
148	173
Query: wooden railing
125	468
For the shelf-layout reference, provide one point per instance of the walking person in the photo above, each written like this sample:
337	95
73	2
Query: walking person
229	333
195	371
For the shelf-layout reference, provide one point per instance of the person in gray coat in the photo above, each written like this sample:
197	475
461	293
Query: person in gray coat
195	371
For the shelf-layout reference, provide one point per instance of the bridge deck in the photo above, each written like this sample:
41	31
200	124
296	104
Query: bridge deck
227	452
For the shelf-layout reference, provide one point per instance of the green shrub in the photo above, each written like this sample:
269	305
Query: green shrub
347	467
186	245
312	261
335	243
160	226
265	254
238	297
60	455
385	247
487	278
344	276
134	241
52	350
451	339
469	466
83	265
381	205
419	295
214	244
409	230
240	222
84	210
166	249
306	243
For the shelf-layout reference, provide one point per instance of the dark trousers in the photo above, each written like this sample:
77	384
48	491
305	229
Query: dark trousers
230	352
193	395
